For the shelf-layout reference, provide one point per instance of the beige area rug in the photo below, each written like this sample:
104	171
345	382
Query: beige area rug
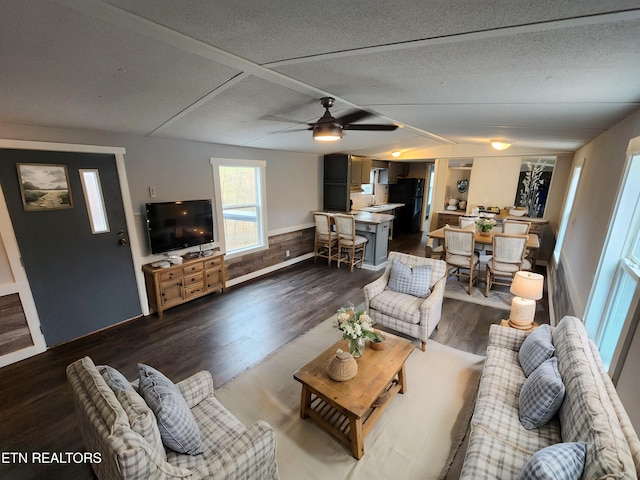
416	437
499	296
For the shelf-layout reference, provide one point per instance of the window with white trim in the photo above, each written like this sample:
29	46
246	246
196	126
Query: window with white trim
92	189
241	204
566	212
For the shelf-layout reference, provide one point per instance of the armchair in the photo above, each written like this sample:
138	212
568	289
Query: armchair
122	428
415	316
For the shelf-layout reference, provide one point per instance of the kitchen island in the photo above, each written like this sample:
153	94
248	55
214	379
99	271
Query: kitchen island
387	208
375	228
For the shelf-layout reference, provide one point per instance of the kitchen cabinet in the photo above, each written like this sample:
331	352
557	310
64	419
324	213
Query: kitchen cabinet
394	171
341	172
337	182
360	170
451	219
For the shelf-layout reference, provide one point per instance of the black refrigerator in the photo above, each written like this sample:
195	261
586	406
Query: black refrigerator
410	192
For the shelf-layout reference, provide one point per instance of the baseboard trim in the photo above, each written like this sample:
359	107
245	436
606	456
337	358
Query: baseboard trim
264	271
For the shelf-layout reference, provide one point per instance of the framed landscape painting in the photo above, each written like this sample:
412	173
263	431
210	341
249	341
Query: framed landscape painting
44	187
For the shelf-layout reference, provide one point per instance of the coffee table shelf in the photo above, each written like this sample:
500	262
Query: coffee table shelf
349	410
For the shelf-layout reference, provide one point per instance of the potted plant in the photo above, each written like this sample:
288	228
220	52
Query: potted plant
485	225
379	342
355	326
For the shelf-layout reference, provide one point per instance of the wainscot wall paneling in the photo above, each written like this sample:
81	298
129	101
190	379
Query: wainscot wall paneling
561	300
298	243
14	330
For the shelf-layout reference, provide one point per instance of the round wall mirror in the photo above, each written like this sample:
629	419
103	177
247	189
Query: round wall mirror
462	185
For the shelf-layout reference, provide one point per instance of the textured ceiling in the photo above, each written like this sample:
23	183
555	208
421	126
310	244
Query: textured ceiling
545	76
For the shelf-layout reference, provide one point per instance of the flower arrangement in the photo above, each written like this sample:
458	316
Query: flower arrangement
356	326
485	224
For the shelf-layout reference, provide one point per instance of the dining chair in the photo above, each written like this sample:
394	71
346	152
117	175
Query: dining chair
349	244
326	241
459	247
516	227
466	221
506	260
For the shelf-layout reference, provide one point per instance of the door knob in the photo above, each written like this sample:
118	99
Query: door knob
123	241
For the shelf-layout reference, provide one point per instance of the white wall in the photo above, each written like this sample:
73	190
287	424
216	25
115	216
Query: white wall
604	160
494	181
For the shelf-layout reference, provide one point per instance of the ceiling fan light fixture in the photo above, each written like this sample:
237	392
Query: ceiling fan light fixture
327	132
396	154
499	145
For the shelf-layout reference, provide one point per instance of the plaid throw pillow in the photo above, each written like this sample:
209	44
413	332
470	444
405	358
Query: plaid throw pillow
562	461
114	378
178	428
141	419
412	281
535	349
541	395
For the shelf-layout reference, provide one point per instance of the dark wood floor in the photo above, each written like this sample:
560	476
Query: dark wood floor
224	334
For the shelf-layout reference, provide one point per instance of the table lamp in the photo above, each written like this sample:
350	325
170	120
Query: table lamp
527	288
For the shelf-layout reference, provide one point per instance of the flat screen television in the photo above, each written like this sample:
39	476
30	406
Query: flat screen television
177	225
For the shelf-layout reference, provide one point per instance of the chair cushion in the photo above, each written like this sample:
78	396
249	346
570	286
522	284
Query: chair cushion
535	349
562	461
462	260
504	267
325	237
398	305
178	428
541	395
346	242
412	281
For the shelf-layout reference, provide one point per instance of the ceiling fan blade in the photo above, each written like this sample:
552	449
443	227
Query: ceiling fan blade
353	117
370	127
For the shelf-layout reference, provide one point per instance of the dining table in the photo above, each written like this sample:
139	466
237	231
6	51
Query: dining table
533	242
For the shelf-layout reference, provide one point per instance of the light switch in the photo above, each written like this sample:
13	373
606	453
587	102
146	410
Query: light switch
152	192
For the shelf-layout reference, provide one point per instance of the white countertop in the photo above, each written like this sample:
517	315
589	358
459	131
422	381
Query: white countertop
368	217
387	207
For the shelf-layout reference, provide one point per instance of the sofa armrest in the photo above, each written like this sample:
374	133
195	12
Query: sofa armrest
196	388
431	308
506	337
374	288
252	454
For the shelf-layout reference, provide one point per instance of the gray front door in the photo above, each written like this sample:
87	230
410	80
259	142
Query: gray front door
81	281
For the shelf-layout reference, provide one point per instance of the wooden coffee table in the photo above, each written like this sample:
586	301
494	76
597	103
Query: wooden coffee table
349	410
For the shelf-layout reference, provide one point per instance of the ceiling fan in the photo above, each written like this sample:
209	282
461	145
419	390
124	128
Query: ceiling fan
329	129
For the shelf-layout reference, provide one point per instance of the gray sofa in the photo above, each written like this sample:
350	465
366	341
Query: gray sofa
121	429
499	445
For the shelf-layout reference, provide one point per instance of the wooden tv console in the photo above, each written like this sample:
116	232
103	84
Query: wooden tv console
178	284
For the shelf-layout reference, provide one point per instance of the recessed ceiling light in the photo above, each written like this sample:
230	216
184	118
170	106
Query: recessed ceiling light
499	145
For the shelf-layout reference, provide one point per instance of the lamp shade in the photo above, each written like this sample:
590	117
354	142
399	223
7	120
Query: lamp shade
327	132
527	285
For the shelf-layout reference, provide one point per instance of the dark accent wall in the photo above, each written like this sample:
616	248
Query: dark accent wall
298	243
